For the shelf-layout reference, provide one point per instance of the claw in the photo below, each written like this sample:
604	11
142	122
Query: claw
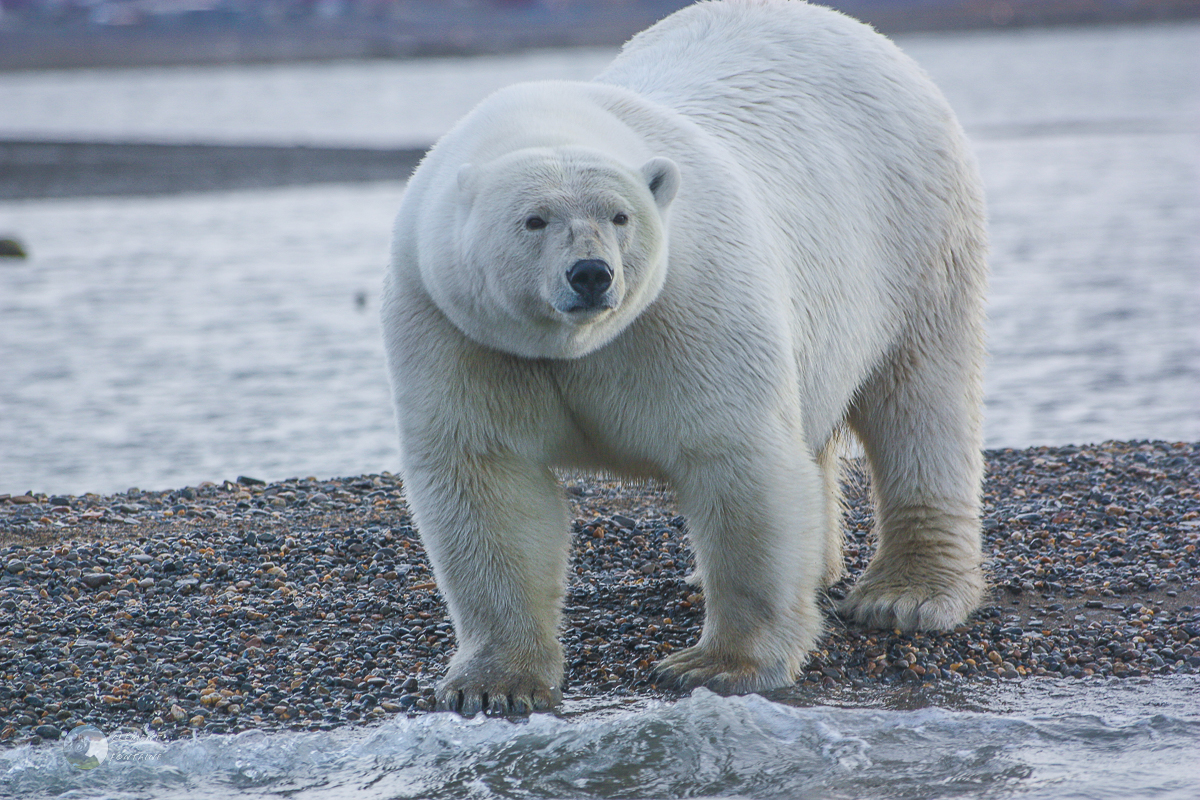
473	703
664	678
546	699
448	701
497	705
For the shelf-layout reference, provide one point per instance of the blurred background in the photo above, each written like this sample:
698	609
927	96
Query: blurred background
70	33
196	198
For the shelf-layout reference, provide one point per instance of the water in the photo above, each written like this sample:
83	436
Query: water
1089	740
373	104
164	341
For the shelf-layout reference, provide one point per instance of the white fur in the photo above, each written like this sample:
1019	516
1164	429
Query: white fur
811	260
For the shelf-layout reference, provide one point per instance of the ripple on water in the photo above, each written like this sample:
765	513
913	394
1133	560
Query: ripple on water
1094	740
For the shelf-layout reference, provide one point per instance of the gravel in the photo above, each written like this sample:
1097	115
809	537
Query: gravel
309	604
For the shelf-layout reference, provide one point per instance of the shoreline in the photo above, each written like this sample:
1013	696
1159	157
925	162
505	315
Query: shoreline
36	169
308	604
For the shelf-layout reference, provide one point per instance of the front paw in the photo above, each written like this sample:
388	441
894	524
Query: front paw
480	684
723	674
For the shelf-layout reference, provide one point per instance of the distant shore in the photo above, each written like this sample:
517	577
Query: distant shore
447	30
33	169
309	604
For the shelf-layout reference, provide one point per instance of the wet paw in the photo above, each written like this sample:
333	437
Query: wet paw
696	666
515	698
476	685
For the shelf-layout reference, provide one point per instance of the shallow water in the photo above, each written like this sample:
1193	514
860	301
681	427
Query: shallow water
164	341
1093	740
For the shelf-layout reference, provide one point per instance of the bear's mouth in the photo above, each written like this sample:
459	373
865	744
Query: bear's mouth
581	314
579	307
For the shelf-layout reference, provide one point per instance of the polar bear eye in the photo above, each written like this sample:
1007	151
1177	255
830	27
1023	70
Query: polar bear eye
534	223
620	219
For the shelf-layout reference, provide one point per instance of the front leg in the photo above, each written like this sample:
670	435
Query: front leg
758	526
497	531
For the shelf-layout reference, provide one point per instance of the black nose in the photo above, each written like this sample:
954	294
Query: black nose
590	278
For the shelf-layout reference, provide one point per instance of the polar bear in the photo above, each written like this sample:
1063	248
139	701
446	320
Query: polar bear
759	229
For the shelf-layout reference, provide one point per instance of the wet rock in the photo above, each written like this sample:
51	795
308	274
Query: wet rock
94	580
48	732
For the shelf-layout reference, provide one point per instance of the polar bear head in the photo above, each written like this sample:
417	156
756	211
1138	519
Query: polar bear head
558	249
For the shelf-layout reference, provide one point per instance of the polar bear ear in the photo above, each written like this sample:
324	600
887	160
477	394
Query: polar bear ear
662	176
468	177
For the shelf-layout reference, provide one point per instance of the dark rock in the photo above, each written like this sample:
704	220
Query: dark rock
48	732
12	248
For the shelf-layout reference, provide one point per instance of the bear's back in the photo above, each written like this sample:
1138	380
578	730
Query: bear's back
742	65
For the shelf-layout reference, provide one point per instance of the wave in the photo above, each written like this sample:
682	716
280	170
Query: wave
702	745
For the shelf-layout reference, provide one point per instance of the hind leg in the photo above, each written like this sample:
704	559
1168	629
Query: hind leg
919	422
830	462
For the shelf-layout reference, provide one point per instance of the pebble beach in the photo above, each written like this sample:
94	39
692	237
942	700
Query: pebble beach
309	603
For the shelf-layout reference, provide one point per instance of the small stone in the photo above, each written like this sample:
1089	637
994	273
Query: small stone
48	732
94	580
178	714
15	567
